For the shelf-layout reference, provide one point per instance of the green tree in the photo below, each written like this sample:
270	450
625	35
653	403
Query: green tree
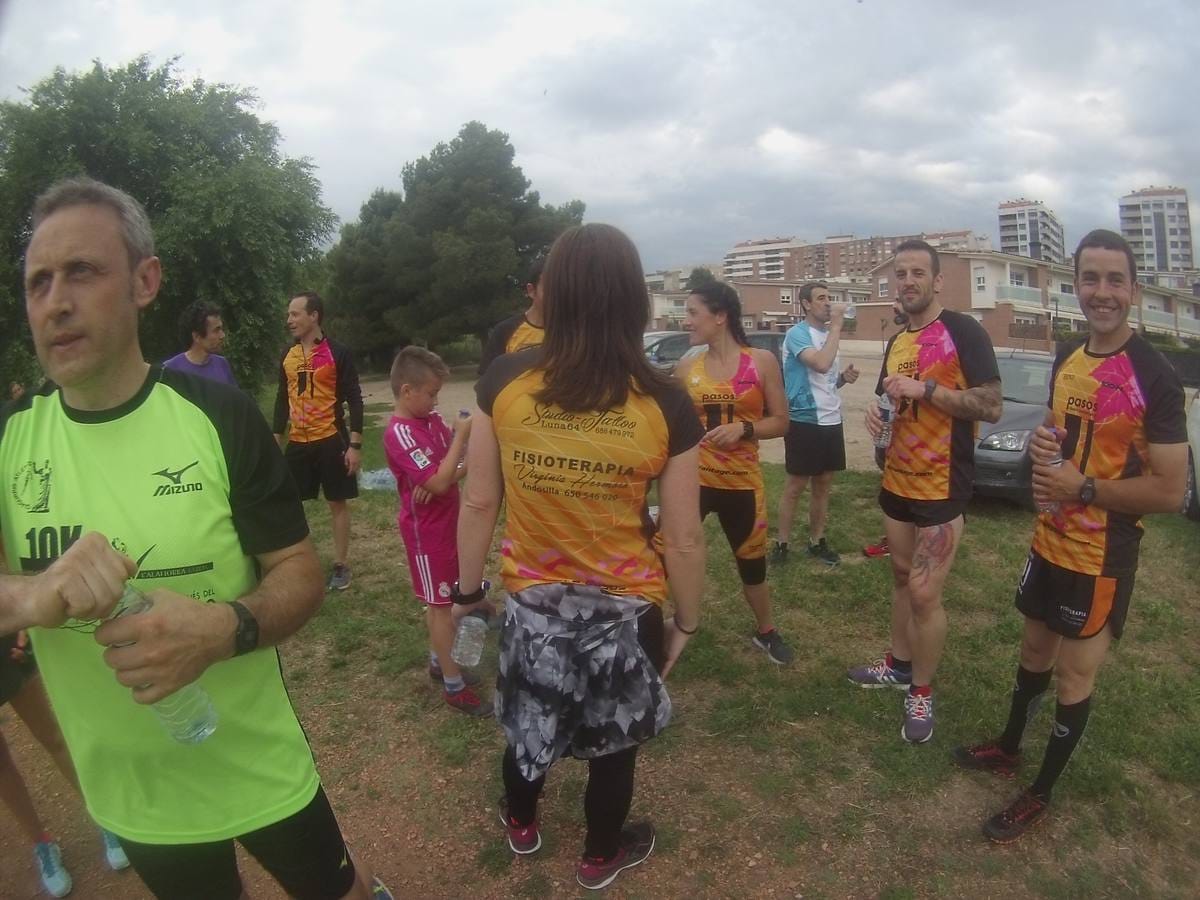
699	276
236	223
446	257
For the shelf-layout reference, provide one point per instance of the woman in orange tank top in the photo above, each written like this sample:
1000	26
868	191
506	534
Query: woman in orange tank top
738	393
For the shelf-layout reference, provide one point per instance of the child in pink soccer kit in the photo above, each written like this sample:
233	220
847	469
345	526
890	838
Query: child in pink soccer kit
425	455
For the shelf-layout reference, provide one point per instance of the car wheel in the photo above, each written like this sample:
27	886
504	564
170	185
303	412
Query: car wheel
1191	498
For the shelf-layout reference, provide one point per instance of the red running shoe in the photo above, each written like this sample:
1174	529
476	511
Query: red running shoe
877	551
467	701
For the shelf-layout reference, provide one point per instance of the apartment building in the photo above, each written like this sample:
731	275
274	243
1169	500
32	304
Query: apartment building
1157	224
840	256
1028	228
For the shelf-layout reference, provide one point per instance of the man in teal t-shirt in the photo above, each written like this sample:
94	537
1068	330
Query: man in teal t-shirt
128	472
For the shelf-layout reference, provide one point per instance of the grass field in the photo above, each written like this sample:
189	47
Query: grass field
786	782
770	782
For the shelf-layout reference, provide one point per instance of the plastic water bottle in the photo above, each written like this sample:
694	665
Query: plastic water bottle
1052	506
849	312
886	414
188	714
468	640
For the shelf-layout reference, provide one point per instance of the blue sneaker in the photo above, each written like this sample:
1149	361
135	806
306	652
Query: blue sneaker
55	878
918	718
880	674
114	853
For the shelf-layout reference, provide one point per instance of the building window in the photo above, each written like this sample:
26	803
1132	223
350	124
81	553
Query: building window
1065	287
1017	279
883	287
980	279
748	324
785	297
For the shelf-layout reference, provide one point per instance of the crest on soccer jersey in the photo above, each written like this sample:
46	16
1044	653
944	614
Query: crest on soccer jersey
418	456
31	487
443	590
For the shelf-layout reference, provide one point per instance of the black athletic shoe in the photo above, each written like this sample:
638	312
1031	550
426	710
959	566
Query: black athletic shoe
774	646
779	554
987	757
1025	812
826	554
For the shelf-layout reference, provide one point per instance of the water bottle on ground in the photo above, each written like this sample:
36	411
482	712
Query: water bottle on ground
188	714
468	640
886	414
1052	506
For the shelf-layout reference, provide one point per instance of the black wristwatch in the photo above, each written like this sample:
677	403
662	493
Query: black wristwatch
456	596
748	430
1087	493
930	387
245	638
356	445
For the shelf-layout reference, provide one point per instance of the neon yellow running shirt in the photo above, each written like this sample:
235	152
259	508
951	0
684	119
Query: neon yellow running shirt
185	478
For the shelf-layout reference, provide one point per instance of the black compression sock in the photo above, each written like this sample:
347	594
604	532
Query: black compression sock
1026	698
1069	722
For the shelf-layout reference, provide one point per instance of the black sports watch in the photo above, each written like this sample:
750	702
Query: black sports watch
245	638
1087	493
748	431
356	445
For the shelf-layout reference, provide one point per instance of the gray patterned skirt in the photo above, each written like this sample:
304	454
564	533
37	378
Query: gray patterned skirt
573	678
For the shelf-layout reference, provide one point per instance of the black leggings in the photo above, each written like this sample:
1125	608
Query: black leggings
610	778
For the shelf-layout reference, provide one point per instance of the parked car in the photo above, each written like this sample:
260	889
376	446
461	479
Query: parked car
665	348
762	340
1191	503
1002	464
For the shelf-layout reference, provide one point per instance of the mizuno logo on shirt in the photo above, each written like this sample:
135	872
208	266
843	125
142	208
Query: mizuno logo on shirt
175	483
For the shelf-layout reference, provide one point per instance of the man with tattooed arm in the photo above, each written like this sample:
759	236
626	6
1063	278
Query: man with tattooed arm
941	375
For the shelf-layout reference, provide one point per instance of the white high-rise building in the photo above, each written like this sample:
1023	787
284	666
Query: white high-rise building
1027	228
1158	227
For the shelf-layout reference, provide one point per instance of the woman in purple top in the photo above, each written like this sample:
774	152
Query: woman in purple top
204	332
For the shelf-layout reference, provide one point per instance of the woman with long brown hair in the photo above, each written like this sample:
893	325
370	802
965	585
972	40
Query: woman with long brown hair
572	435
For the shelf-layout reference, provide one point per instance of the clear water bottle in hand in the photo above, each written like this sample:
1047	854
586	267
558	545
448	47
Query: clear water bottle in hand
188	714
886	415
467	649
1056	461
849	312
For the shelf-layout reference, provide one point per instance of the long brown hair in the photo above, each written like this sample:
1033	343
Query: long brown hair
597	308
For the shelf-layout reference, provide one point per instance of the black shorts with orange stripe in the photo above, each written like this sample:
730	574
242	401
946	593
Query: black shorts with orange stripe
1073	604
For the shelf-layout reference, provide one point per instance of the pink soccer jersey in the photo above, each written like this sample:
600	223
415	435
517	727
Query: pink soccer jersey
415	448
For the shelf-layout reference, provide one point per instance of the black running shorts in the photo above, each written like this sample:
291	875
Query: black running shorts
922	513
743	518
811	449
321	464
305	853
1070	603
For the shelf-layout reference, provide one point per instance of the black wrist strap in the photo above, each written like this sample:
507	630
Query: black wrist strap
747	430
475	596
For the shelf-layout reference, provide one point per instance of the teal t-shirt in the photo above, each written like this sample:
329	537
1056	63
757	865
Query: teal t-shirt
186	479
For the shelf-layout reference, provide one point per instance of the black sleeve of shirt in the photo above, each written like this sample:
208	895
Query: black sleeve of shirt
1165	421
976	357
348	387
684	430
497	340
282	412
883	365
506	367
263	500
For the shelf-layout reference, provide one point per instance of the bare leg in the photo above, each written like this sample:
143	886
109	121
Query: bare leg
441	637
793	487
933	556
16	797
901	538
33	706
339	514
818	505
758	598
1078	663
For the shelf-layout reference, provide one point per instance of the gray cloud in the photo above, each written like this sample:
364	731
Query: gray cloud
690	125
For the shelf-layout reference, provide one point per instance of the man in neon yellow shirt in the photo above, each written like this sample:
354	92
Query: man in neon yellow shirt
117	460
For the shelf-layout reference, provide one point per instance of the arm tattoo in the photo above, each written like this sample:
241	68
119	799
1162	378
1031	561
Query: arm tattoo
935	547
982	402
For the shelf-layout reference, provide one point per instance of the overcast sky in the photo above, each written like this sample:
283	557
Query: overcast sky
695	125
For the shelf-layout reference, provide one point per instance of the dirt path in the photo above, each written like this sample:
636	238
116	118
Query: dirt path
459	393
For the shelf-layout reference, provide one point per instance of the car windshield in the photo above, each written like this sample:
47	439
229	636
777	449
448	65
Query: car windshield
649	338
1025	380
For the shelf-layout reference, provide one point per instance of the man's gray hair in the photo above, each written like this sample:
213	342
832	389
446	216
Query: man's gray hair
84	191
